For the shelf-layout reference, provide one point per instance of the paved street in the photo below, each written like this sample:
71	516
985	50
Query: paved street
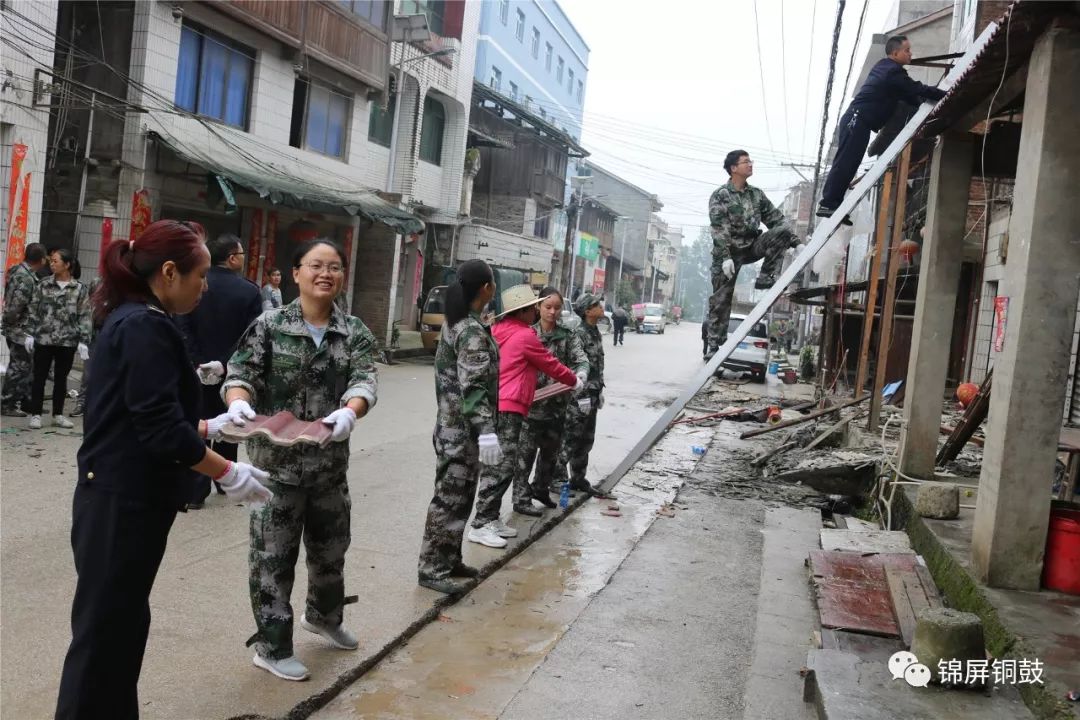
196	664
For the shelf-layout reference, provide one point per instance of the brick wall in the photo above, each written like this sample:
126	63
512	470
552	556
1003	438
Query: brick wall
371	278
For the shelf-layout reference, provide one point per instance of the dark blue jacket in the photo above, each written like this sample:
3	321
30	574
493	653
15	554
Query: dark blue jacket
229	305
142	409
887	84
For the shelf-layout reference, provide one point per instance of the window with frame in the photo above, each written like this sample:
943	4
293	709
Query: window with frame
519	31
434	9
580	91
513	92
504	11
547	56
373	12
536	43
213	76
559	70
381	122
431	134
320	118
570	81
496	79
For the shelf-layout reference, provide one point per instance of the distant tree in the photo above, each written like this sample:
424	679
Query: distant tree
696	269
626	295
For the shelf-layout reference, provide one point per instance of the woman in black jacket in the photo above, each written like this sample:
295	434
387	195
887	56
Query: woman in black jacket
142	438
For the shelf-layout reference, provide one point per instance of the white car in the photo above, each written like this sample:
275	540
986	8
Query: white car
654	320
752	354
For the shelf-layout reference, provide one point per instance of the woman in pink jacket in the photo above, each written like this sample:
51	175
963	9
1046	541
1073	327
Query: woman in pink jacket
521	355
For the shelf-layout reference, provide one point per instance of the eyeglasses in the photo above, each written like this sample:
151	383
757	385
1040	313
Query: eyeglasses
319	267
745	162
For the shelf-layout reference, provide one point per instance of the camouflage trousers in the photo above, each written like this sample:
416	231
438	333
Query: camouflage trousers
494	480
18	378
541	441
771	246
457	467
319	513
577	442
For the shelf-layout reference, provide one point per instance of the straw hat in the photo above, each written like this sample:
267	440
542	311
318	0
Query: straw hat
516	298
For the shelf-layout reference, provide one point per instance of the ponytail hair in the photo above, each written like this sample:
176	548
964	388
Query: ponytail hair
128	265
69	259
471	276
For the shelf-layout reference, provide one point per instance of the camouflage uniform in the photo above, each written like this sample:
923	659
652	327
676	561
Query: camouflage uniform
18	291
277	362
581	425
495	479
544	426
59	320
735	217
467	391
94	330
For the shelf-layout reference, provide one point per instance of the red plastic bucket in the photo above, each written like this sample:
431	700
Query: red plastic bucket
1061	567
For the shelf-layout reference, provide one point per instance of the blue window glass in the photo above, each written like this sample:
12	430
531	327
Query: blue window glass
328	114
213	76
187	70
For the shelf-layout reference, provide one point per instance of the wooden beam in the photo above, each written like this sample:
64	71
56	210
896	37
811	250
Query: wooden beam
1013	86
805	418
889	306
875	271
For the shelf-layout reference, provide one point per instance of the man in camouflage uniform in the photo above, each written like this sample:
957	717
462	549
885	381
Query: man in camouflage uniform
736	213
581	412
543	432
18	289
467	392
280	368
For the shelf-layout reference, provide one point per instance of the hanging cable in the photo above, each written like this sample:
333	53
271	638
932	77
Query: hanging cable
825	117
761	75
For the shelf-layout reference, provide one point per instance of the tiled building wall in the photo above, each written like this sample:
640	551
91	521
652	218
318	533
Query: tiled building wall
502	248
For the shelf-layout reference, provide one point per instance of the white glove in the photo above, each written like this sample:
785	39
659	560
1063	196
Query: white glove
28	343
239	412
214	426
728	268
243	483
84	352
490	452
580	384
211	373
600	402
342	421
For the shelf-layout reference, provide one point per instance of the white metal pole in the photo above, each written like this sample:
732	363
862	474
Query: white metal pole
394	129
575	241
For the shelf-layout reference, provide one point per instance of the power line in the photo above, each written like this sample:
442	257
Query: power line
783	77
809	67
828	97
761	75
854	49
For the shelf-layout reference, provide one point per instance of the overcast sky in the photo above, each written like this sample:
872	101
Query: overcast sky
673	86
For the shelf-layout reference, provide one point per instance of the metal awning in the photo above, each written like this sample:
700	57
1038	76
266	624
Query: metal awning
293	184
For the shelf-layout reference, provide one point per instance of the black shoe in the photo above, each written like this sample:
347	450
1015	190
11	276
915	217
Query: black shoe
764	282
449	586
465	571
543	497
196	505
825	212
13	412
528	510
218	488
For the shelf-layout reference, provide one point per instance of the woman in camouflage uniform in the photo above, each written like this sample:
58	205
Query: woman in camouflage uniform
544	428
313	360
466	390
581	415
59	325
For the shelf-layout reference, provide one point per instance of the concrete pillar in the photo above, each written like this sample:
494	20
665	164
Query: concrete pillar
1041	279
939	275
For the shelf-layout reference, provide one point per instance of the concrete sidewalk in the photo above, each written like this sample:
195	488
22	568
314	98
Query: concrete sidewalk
196	664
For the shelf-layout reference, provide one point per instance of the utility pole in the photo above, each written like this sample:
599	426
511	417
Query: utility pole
573	212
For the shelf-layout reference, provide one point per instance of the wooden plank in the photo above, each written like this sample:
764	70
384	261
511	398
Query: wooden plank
852	591
901	602
928	584
865	541
830	430
889	306
872	291
805	418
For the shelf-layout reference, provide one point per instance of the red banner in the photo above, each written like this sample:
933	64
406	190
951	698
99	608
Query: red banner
346	244
418	276
106	233
141	213
18	152
254	245
271	244
598	281
16	245
1001	316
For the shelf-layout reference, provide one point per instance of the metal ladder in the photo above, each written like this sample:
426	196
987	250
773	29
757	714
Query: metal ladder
821	235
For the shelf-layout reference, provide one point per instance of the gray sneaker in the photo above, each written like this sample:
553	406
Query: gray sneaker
339	637
62	422
286	668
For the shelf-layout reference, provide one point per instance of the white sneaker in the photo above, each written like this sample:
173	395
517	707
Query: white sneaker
35	422
63	422
287	668
502	529
486	535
